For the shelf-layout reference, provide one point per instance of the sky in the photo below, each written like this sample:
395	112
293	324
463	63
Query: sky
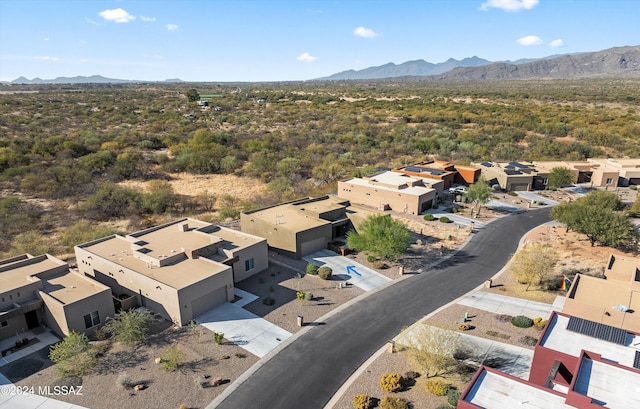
278	40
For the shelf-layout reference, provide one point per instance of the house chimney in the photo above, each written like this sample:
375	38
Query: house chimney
183	227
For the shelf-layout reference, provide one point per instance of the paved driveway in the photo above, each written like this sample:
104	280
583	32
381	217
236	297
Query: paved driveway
464	221
503	207
502	304
242	327
347	269
531	196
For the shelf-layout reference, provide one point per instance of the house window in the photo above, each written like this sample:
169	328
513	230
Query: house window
4	324
91	320
248	264
609	181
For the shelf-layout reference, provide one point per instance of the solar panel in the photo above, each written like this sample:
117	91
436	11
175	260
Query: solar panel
413	169
636	361
432	171
512	172
487	164
597	330
518	165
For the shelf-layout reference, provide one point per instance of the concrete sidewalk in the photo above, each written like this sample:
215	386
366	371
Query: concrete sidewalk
461	220
501	304
531	196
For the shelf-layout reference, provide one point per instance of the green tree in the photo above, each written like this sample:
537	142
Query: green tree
533	264
560	176
111	200
74	356
634	210
479	193
159	197
129	327
433	349
381	236
193	95
596	216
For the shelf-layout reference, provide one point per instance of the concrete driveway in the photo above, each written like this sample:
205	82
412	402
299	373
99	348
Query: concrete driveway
531	196
348	270
242	327
503	207
461	220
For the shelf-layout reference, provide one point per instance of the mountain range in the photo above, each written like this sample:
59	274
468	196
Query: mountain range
609	63
93	79
612	62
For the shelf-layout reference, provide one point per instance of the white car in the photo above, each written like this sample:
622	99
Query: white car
458	190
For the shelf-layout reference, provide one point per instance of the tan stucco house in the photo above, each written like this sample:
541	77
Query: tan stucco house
43	290
612	300
178	270
389	191
303	226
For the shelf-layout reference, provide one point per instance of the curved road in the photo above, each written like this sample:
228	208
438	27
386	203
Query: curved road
307	373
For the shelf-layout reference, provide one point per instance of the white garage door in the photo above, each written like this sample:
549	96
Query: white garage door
209	301
312	246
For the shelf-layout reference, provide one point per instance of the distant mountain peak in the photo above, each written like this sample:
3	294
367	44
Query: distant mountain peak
577	65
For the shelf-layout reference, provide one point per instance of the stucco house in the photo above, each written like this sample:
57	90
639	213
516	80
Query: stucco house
303	226
613	300
178	270
43	290
389	191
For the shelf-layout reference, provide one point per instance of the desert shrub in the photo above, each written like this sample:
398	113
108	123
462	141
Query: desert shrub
452	397
123	381
371	259
527	340
312	269
392	382
240	355
201	382
325	273
225	357
511	193
536	320
445	219
541	324
411	375
268	301
436	387
74	356
497	334
521	321
218	338
308	296
183	406
300	295
633	187
379	264
428	217
363	401
503	318
443	406
172	358
129	327
389	402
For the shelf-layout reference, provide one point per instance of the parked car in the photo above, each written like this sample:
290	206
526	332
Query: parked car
458	190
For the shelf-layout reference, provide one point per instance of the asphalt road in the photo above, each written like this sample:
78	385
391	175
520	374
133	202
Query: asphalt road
308	372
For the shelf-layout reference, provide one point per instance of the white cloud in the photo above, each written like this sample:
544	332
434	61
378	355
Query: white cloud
557	43
529	40
46	58
117	15
147	19
509	5
306	57
366	32
172	27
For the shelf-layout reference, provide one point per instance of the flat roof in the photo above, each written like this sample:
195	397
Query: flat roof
69	287
559	338
499	391
601	295
16	274
612	386
288	217
394	179
181	273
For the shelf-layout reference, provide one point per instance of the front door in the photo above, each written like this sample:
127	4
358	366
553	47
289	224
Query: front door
32	319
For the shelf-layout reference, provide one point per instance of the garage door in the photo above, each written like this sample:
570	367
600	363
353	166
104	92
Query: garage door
520	187
207	302
312	246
